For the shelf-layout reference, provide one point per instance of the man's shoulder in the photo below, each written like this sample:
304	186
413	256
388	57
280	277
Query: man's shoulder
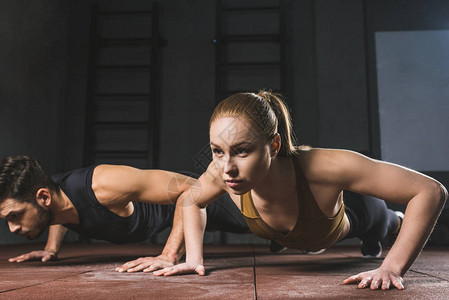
74	174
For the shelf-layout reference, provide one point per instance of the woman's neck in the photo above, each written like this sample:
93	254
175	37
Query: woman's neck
277	180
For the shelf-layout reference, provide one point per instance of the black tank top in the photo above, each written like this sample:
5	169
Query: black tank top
98	222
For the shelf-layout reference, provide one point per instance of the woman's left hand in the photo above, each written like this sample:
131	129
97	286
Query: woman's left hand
381	278
185	268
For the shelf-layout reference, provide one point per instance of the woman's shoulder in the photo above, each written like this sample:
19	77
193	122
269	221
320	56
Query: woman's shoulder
309	153
321	163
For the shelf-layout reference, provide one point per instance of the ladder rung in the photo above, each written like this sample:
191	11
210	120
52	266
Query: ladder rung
252	38
224	94
122	67
98	100
122	124
124	40
228	66
121	153
249	8
124	12
121	94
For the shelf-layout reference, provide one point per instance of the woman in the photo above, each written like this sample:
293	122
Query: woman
294	195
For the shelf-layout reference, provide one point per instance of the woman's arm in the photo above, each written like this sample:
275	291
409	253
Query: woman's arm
203	192
423	196
171	254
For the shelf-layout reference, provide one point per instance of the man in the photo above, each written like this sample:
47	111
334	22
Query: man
119	204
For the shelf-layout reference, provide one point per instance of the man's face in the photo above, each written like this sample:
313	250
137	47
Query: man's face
24	218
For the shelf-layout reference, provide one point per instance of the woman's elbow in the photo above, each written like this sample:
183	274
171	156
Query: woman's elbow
444	193
439	193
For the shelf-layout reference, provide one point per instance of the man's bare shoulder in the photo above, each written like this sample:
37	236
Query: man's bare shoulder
121	183
105	174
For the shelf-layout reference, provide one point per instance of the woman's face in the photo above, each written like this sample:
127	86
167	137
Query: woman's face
240	153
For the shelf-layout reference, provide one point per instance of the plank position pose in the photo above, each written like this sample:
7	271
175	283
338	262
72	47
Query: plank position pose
298	196
119	204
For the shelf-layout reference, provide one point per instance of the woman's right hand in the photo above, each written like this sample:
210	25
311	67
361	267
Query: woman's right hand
184	268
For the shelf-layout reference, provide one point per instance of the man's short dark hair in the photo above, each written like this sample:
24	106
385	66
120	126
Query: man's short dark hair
21	177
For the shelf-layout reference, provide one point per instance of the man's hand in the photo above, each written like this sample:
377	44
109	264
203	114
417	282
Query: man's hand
381	278
147	264
43	255
184	268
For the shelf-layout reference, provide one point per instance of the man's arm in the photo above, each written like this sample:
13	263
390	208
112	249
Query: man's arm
174	247
56	235
115	186
171	254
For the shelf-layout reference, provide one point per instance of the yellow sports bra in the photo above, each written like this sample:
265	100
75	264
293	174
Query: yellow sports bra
313	230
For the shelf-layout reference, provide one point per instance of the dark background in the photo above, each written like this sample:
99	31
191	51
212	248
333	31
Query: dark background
330	80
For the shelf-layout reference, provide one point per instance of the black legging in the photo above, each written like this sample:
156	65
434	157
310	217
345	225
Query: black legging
370	219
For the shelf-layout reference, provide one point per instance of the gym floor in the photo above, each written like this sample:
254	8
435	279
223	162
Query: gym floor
243	272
